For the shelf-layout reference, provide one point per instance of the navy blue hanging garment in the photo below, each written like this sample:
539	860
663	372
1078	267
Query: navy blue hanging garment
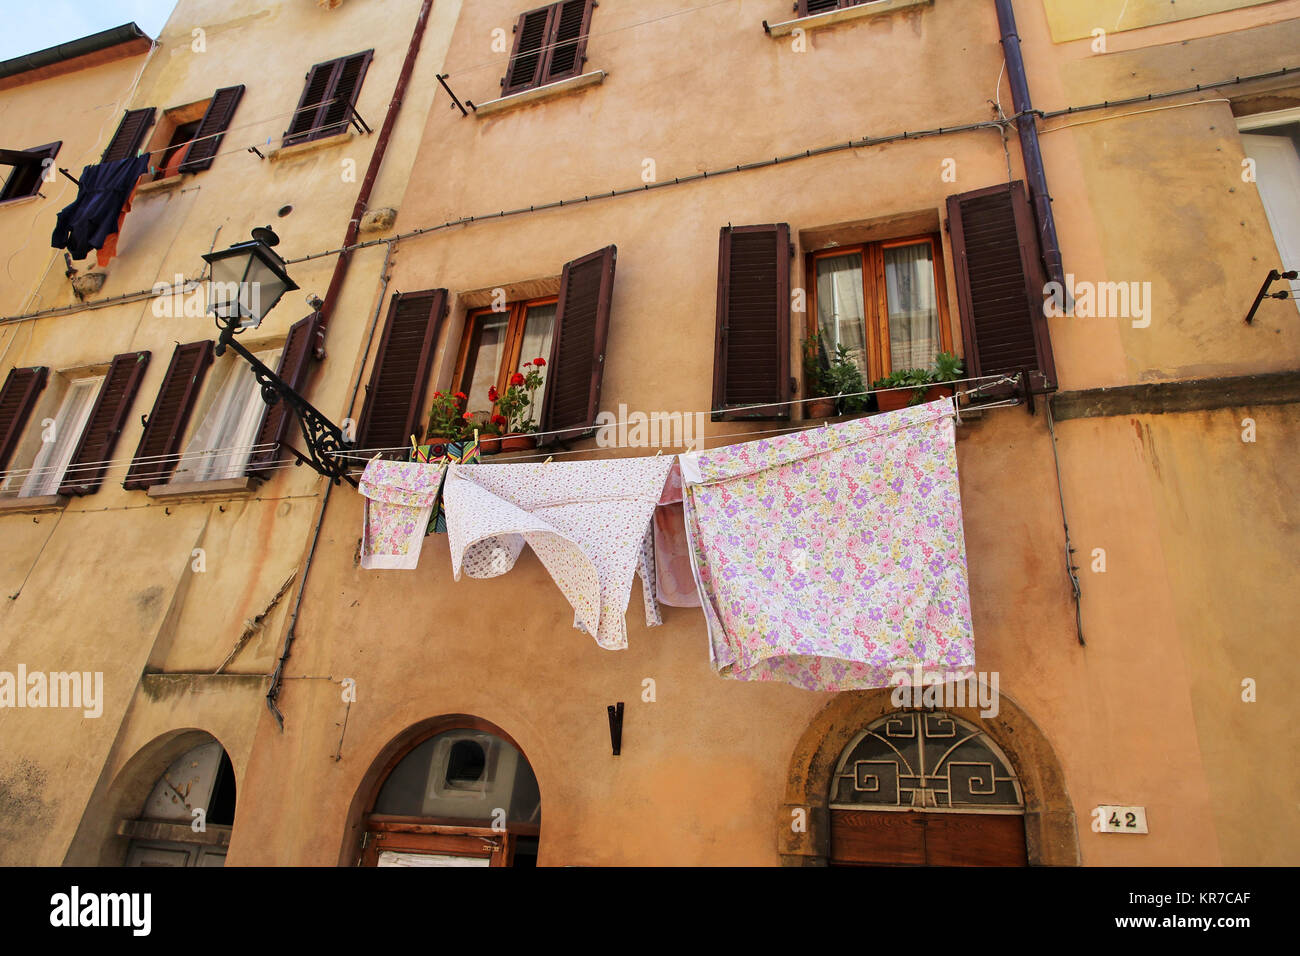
84	224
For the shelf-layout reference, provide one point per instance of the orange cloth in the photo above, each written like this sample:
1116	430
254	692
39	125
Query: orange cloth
109	249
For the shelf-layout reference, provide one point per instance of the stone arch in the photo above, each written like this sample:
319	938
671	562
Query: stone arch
1051	834
390	755
97	842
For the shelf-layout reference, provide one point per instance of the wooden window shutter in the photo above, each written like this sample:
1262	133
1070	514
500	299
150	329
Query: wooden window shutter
295	364
26	179
751	359
577	362
808	7
568	40
17	399
156	455
85	472
394	398
327	98
531	34
1000	279
130	134
212	128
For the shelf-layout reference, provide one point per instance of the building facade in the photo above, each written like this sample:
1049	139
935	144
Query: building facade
666	205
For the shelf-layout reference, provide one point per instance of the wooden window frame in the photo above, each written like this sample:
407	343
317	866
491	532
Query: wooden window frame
545	53
518	316
874	302
39	154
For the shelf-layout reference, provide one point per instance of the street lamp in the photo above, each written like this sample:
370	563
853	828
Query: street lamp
245	283
247	280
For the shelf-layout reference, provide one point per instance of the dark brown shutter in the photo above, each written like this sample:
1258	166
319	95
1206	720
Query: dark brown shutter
569	39
526	61
577	362
17	399
1000	284
327	97
212	128
156	455
751	358
86	468
394	398
26	179
347	86
130	134
808	7
295	364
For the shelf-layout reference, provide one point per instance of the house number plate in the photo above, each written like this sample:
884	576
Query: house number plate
1120	820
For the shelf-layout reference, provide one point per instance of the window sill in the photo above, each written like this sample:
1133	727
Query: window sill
549	91
158	185
19	200
221	487
862	11
299	149
36	504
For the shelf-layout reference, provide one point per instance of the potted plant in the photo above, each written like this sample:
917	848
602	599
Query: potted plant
926	385
447	418
514	409
814	379
843	379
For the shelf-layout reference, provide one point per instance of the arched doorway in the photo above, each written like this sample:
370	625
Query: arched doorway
188	816
826	749
925	788
459	793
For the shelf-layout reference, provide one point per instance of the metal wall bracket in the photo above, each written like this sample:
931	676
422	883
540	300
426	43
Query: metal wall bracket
1263	293
616	726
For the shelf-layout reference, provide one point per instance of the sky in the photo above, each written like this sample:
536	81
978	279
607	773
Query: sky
32	25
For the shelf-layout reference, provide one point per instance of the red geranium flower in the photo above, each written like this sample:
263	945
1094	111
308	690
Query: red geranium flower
462	396
539	362
468	416
437	394
516	379
492	393
498	420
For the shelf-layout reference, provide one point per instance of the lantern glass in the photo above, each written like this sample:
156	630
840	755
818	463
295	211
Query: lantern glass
247	280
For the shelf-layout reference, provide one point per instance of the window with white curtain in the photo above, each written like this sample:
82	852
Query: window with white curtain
884	302
58	443
223	442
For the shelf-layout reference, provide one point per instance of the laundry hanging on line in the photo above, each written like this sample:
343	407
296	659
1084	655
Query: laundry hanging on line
674	580
587	521
400	498
833	558
89	220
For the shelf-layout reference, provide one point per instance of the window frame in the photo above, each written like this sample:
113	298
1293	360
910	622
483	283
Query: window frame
518	317
318	129
875	305
15	487
546	52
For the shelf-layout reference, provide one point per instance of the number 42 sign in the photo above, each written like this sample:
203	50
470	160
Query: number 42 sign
1119	820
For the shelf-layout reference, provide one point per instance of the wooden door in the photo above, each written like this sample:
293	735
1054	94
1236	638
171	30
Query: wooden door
909	838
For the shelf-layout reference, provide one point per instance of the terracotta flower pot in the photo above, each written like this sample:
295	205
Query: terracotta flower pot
518	441
819	408
892	401
489	444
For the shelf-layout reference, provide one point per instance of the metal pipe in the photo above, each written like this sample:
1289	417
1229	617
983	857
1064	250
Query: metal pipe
1027	127
372	171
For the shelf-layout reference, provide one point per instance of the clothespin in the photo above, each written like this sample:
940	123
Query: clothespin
956	408
414	450
659	452
549	459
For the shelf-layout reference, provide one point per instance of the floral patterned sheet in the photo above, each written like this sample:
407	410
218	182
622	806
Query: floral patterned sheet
400	496
587	521
834	559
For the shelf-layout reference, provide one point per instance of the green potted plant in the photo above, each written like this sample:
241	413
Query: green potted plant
926	385
843	379
514	409
814	379
447	418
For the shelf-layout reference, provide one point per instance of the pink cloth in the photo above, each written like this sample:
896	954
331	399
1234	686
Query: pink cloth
674	579
833	559
399	499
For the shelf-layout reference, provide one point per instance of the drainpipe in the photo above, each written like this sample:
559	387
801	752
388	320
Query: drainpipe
326	309
372	172
1027	126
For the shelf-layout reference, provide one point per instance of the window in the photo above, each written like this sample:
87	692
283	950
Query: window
58	442
885	302
809	7
223	442
328	99
550	43
1273	142
27	175
155	456
497	344
187	138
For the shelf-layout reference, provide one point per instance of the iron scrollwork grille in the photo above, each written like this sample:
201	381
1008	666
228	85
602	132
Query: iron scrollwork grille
925	761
